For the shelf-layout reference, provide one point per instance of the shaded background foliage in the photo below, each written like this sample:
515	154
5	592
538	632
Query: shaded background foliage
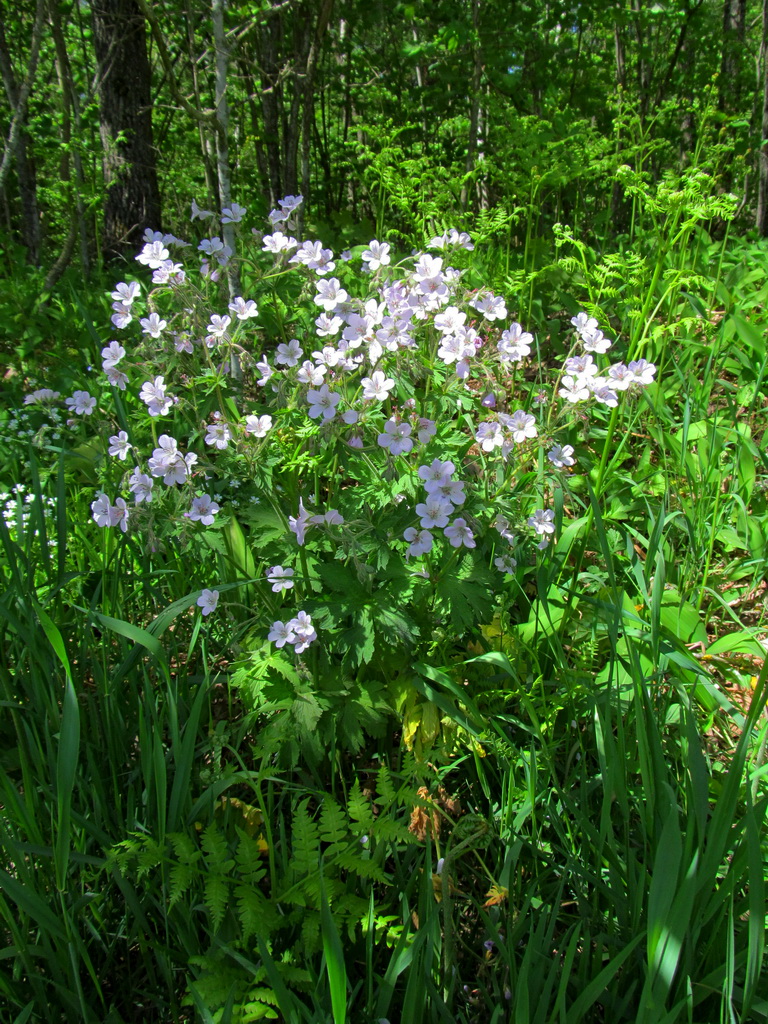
364	108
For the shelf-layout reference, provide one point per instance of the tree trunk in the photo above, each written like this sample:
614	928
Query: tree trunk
474	107
18	144
130	174
308	113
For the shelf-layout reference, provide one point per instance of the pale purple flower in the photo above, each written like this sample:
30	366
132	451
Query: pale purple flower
434	512
492	307
327	325
451	490
542	521
100	509
522	425
642	371
212	246
290	203
153	254
304	632
459	534
203	509
489	435
41	396
197	212
116	377
218	325
265	370
289	354
506	564
233	214
154	394
278	242
119	514
218	435
581	366
311	374
574	389
514	344
81	403
595	341
322	403
426	429
450	321
242	309
584	323
436	473
330	294
620	376
207	601
122	316
561	456
119	445
396	437
281	634
140	486
153	325
126	293
112	354
298	524
420	541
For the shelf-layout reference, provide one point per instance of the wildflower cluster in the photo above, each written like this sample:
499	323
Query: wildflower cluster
376	380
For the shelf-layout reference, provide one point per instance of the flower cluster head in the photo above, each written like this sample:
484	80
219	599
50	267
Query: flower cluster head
298	631
443	496
583	380
352	378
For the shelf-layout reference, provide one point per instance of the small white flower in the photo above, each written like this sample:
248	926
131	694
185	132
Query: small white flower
257	425
280	578
377	386
376	255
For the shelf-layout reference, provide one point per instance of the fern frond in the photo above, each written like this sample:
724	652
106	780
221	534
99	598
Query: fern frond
359	808
306	841
334	826
216	899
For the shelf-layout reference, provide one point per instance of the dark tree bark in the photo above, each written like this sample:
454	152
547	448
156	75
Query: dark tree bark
18	145
133	197
734	31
